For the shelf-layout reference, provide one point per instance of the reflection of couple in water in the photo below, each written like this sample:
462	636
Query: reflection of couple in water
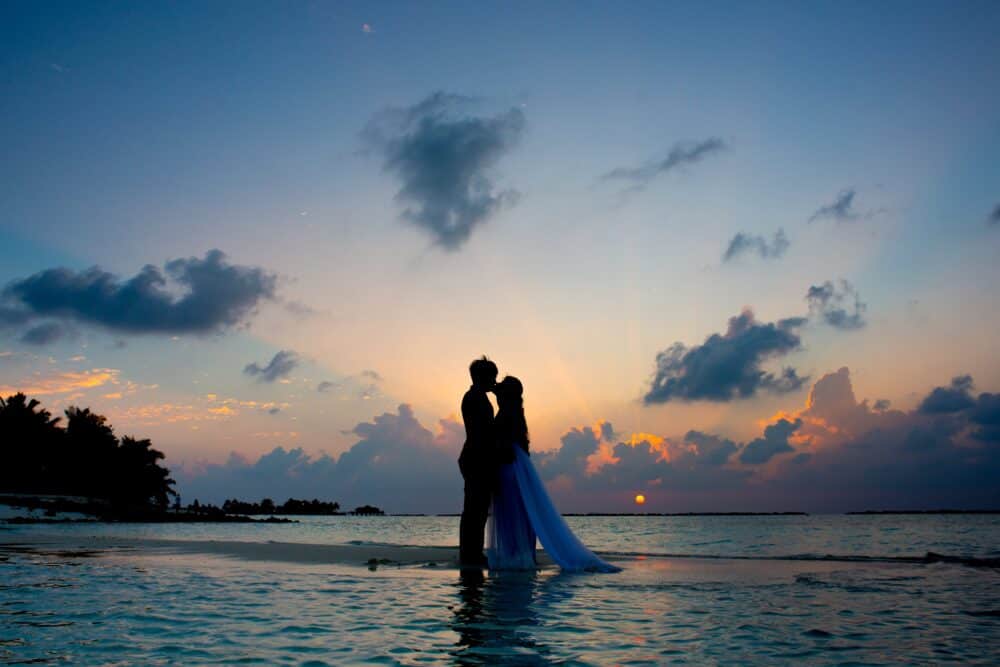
497	619
500	476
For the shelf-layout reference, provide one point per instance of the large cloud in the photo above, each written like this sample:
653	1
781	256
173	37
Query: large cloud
742	244
593	466
443	159
681	154
773	442
947	400
833	454
838	305
280	366
728	366
396	464
848	455
193	295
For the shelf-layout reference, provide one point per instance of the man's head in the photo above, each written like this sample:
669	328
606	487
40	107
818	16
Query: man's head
484	373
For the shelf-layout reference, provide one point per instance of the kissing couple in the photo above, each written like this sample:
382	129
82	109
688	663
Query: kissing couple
505	500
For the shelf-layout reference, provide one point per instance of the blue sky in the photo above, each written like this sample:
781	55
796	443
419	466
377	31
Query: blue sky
140	134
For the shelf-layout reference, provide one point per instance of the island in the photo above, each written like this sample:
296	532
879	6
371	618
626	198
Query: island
84	468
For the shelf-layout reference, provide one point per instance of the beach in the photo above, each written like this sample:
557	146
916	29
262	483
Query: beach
99	594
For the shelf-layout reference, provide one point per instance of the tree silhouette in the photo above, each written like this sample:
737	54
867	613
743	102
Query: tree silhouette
84	459
30	439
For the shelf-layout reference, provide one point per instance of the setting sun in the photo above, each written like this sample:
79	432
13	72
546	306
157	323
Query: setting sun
640	499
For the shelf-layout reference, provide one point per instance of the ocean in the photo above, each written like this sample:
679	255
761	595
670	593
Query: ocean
821	589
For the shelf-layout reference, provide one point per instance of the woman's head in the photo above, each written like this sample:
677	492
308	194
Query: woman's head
509	391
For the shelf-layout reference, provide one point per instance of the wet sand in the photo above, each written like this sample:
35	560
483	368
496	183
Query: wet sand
392	557
281	552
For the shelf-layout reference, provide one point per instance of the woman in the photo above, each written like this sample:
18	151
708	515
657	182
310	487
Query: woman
522	508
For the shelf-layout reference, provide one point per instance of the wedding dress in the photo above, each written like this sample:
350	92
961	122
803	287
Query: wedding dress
523	510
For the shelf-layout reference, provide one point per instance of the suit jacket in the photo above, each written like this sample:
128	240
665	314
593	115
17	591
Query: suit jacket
477	413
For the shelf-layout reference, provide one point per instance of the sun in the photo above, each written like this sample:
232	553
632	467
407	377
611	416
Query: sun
640	499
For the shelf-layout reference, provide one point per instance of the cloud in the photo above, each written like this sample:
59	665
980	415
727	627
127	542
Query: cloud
711	449
681	154
281	365
443	159
827	302
396	464
985	414
747	243
12	316
571	458
594	471
208	408
728	366
938	455
833	454
947	400
298	309
774	442
44	333
994	217
840	210
63	383
187	296
363	386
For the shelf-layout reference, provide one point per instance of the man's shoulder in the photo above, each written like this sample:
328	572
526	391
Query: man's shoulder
475	400
473	395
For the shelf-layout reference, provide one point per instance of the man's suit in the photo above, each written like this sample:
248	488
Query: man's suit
477	465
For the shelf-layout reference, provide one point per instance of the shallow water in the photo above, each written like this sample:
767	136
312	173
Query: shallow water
753	536
148	607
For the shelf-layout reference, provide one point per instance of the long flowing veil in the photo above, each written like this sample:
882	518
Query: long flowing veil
556	537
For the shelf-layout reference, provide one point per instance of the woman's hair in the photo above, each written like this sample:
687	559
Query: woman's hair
510	398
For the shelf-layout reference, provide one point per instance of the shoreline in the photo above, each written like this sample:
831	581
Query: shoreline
370	555
373	554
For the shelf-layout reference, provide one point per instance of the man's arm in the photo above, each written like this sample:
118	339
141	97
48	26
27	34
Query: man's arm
477	413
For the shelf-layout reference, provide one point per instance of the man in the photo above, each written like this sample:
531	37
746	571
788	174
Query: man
477	461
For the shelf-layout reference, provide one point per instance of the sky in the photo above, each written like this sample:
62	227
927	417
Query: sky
742	256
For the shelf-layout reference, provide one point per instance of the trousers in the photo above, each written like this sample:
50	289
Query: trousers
475	511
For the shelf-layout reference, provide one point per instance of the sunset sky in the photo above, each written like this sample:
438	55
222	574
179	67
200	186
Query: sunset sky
741	255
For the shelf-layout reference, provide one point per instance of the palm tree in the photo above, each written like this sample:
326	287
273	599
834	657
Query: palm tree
89	454
143	481
28	438
84	459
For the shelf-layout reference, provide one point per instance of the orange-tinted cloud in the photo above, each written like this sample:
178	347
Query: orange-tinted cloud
63	383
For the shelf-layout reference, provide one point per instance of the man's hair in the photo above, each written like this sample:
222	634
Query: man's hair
483	370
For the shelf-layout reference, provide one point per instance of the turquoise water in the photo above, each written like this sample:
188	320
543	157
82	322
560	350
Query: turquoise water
122	606
857	535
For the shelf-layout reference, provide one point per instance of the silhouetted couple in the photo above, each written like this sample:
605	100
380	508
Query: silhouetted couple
499	476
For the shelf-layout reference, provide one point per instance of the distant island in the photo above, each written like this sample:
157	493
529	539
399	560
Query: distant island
939	511
675	514
85	468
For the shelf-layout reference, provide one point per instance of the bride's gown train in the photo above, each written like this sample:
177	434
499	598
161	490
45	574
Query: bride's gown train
523	510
